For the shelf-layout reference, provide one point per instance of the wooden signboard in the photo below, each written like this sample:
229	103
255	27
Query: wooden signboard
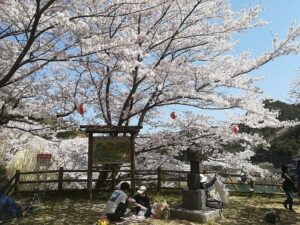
110	150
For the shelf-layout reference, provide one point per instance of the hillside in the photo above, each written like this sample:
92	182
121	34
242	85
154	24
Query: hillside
285	142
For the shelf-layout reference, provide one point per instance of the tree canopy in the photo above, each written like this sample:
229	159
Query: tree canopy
127	61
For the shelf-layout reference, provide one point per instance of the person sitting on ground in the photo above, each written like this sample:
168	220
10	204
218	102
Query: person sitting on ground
118	203
205	184
8	208
143	202
211	202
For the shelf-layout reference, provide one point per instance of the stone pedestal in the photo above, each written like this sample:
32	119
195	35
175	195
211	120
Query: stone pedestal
201	216
194	199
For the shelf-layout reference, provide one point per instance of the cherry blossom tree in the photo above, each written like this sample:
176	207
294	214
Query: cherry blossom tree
179	53
176	53
129	60
28	44
38	40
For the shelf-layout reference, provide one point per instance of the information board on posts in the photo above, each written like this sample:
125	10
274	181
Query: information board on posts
43	159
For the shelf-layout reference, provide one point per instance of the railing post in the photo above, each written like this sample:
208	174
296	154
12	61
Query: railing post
60	179
113	179
17	180
158	179
90	167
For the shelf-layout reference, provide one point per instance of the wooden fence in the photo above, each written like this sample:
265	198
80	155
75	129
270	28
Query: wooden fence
159	179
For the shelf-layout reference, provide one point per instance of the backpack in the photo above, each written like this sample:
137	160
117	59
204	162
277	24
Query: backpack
271	216
8	208
214	203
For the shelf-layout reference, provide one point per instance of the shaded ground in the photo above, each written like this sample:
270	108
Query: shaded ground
242	210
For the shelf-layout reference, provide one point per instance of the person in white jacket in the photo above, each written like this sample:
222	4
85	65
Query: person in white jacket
118	203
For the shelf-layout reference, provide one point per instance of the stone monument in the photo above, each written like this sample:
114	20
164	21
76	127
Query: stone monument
193	207
194	198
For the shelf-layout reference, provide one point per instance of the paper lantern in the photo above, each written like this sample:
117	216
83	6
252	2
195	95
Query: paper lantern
173	115
81	109
235	129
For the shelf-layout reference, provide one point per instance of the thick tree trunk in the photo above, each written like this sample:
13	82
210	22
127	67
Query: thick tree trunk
102	180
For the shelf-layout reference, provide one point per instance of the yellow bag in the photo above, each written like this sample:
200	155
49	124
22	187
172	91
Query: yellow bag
161	210
102	221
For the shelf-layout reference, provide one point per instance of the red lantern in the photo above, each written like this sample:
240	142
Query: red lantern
235	129
81	109
173	115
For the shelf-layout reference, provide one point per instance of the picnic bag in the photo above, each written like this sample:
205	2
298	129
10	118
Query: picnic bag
271	216
161	210
214	203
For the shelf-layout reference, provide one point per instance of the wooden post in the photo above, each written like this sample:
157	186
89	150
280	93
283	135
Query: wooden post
158	178
113	177
17	180
60	179
132	164
90	166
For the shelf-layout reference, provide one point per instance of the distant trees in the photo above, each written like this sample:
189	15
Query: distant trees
285	143
286	111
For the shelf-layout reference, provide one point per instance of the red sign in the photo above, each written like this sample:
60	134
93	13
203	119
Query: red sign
43	157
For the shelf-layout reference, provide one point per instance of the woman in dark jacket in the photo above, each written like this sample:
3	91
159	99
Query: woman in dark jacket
143	202
287	186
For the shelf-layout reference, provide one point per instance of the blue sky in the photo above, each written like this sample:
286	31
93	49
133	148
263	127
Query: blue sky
280	14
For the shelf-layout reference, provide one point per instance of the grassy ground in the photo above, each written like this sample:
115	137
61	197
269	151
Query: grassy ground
76	209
